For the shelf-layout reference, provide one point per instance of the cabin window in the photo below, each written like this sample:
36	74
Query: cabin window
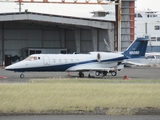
158	38
77	61
157	27
39	58
158	56
138	15
154	15
65	60
54	61
153	38
146	36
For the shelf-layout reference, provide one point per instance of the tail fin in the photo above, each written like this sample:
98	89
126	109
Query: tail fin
137	48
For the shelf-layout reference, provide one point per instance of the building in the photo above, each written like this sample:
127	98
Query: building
147	24
80	30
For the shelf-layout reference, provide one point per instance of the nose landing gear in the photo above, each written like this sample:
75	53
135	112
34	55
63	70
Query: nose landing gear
22	75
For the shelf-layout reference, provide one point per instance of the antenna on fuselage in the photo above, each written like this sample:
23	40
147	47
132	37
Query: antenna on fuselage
107	45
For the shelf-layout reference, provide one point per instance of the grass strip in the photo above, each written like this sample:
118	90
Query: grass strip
73	95
93	80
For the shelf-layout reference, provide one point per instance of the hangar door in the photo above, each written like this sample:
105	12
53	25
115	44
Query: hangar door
86	41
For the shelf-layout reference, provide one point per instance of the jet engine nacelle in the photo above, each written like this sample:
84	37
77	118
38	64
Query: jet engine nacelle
103	56
97	55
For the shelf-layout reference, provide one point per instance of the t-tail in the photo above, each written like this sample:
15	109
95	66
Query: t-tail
137	48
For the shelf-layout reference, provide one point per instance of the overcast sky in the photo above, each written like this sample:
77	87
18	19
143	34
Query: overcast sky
13	7
148	4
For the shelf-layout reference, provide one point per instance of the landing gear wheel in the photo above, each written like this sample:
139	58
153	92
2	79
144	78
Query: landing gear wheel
21	75
97	73
104	73
113	73
81	74
90	76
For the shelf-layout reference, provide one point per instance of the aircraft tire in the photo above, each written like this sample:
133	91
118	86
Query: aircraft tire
21	75
81	74
90	76
114	73
97	73
104	73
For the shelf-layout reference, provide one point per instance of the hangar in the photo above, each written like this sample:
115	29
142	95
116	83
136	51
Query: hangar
23	31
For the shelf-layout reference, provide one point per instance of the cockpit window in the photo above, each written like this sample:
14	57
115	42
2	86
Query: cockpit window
32	58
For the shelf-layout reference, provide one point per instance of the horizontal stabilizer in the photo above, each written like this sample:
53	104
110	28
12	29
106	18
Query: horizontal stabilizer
137	48
138	61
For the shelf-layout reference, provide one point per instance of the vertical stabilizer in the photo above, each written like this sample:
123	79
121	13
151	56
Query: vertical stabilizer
137	48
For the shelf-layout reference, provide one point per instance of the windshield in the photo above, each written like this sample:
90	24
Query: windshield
32	58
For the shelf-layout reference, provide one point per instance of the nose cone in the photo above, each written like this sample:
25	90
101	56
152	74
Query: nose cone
15	67
10	67
7	68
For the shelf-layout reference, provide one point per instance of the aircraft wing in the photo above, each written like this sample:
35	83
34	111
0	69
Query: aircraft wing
139	62
95	69
135	63
84	68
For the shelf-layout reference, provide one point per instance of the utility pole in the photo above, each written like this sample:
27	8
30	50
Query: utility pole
20	6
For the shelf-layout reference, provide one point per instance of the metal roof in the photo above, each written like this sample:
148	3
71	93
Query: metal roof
57	19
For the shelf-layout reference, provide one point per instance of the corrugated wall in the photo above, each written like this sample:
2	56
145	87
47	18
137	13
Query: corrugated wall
70	40
86	41
49	37
19	35
102	34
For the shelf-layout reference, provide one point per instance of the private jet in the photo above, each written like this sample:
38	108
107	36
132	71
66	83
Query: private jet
101	63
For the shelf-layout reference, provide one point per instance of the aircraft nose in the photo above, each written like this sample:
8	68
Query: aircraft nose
12	67
15	67
8	67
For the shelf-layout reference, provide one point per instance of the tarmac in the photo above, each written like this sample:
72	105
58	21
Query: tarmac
130	72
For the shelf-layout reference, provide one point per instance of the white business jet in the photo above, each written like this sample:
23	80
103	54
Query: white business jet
98	62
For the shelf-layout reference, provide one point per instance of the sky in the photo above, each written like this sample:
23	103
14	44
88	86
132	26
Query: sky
13	7
148	4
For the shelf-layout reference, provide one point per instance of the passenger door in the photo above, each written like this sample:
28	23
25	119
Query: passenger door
46	60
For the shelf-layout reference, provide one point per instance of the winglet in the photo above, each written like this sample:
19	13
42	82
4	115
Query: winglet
137	48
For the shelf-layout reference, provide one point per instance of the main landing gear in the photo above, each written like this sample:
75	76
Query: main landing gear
90	75
81	74
104	73
98	73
